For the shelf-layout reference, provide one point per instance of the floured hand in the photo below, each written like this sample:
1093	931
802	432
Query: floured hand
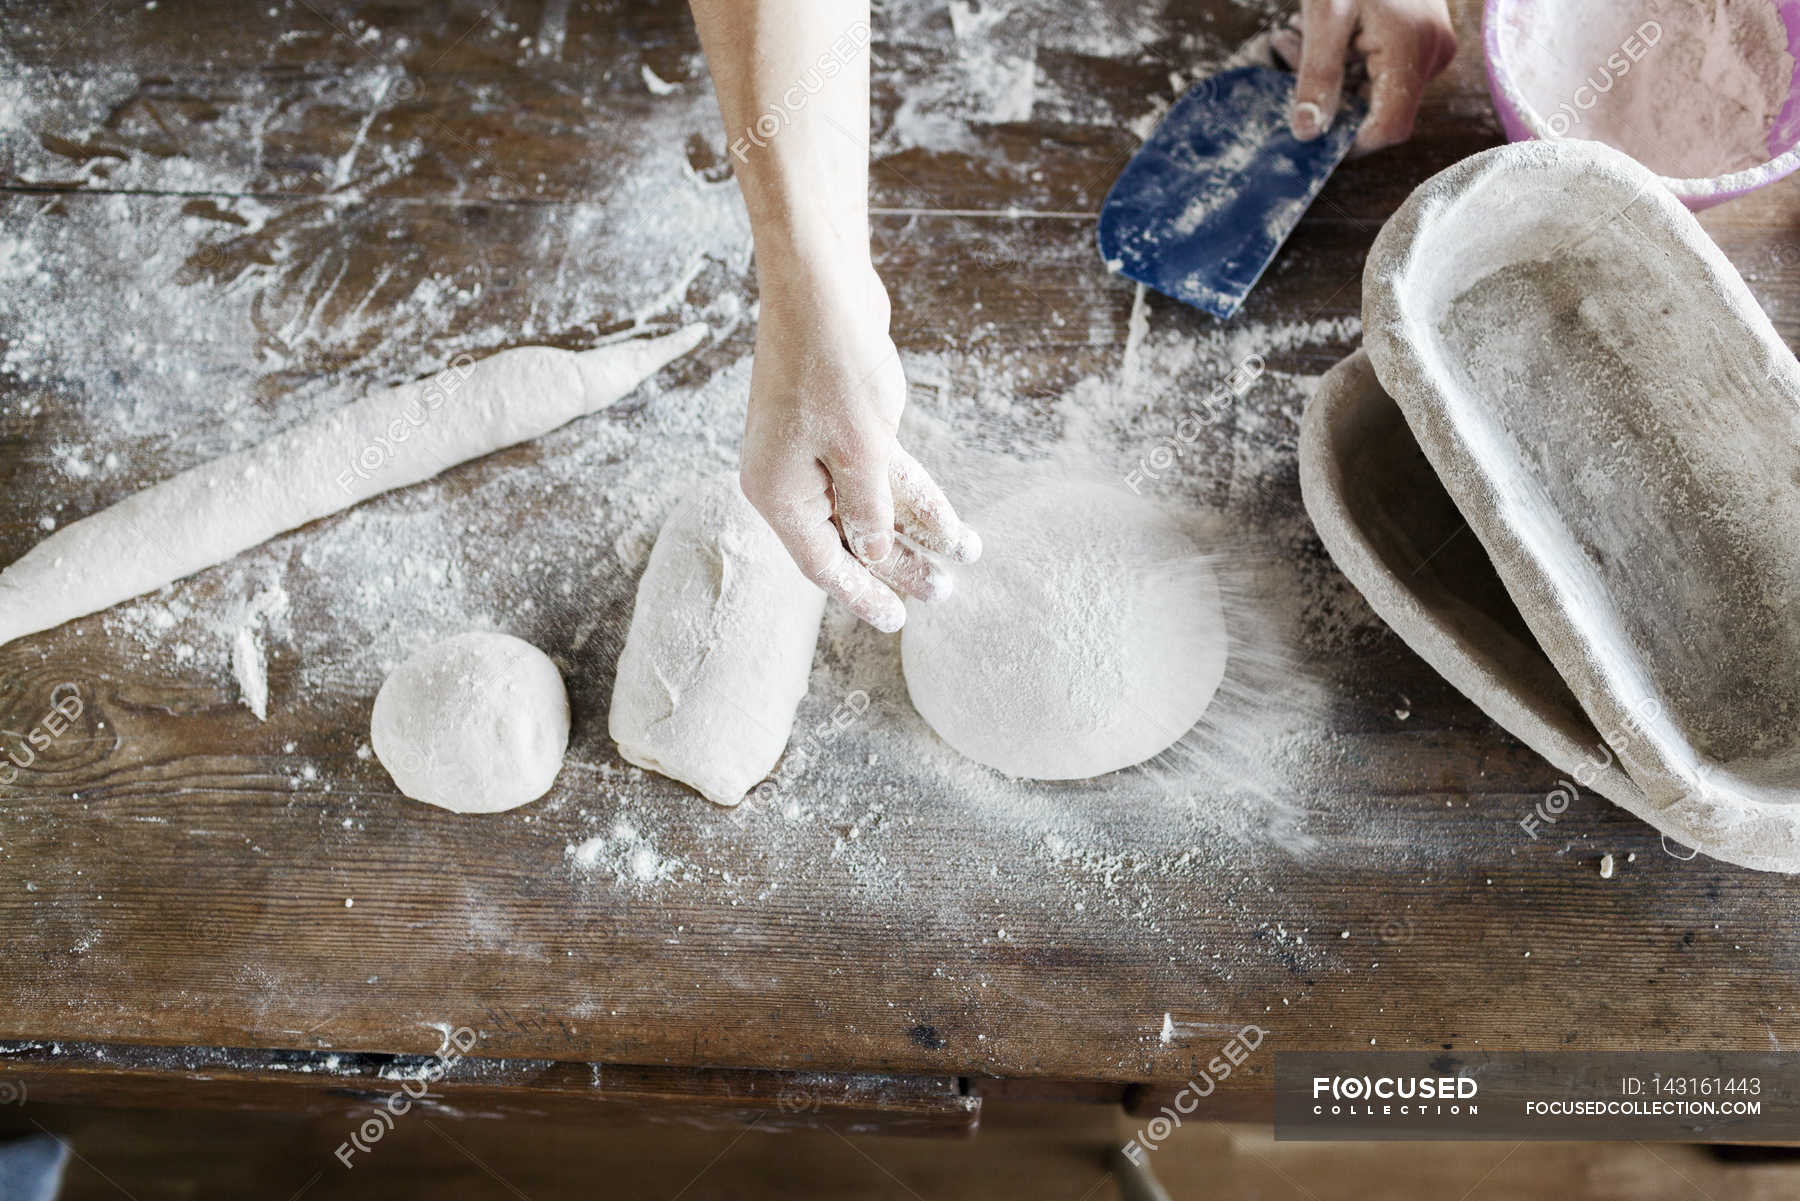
1406	44
821	461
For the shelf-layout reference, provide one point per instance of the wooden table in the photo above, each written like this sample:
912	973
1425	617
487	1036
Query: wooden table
213	211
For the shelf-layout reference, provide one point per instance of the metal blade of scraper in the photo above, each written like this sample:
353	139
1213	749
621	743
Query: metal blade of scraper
1202	207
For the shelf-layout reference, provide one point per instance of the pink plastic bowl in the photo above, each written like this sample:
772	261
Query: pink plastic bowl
1515	28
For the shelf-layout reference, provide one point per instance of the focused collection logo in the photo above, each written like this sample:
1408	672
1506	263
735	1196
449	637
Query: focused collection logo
1394	1096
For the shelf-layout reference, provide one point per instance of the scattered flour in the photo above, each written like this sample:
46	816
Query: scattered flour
251	670
249	659
625	855
164	329
967	64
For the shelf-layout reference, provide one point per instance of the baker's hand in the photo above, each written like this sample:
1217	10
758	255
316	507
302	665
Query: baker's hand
820	460
1406	43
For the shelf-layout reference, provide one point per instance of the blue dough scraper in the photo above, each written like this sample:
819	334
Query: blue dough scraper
1202	207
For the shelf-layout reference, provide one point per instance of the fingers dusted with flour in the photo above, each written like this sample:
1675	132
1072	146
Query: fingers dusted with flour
1325	29
797	504
824	561
922	512
906	570
1406	44
804	504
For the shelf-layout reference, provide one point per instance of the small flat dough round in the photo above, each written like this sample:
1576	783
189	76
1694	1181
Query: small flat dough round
475	724
1089	637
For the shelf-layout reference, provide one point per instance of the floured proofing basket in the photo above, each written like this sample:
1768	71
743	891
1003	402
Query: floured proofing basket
1560	360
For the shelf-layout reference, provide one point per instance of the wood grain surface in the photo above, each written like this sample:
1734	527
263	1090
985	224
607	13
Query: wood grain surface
174	872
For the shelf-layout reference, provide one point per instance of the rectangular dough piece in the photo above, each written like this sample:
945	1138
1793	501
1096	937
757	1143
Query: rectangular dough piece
720	648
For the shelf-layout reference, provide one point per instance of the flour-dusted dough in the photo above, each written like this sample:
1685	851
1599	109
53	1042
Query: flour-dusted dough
720	647
1090	636
474	724
386	440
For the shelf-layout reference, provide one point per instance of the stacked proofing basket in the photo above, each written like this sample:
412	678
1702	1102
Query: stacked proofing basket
1560	360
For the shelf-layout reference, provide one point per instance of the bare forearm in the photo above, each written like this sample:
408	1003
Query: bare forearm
821	459
793	83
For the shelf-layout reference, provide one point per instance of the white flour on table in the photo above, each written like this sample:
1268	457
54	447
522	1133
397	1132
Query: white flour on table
157	338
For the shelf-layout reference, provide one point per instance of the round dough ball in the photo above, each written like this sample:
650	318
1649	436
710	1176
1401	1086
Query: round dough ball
1088	638
476	724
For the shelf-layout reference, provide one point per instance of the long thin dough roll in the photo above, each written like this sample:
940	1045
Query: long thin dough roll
720	647
386	440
